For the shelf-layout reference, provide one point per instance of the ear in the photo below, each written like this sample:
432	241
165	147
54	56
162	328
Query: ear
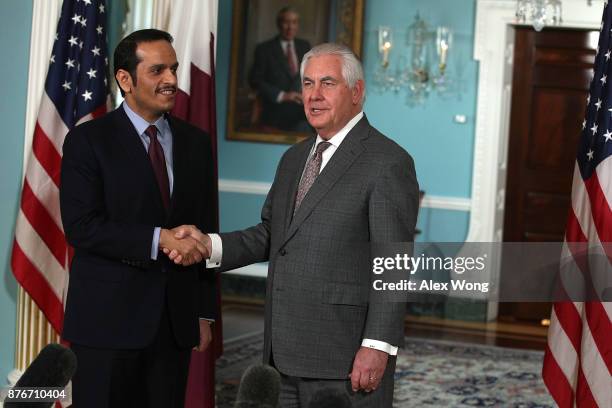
358	91
125	80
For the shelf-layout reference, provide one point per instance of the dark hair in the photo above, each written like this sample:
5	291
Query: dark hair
125	53
281	13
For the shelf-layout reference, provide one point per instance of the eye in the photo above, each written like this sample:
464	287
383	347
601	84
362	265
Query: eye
328	84
307	84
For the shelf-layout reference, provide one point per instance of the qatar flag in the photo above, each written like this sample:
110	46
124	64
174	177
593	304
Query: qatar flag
193	24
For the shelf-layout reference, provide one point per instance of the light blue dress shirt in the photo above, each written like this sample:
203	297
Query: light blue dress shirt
164	135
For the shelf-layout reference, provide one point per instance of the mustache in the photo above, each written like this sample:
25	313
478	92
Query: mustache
166	88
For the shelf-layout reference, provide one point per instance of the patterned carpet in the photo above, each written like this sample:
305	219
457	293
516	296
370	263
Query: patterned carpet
429	374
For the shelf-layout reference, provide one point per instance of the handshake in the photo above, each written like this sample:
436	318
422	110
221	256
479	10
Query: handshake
185	245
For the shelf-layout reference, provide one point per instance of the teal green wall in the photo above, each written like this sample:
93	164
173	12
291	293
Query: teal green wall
239	211
438	225
15	23
441	148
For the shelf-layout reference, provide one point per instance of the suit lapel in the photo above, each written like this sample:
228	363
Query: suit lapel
130	139
340	162
180	153
132	144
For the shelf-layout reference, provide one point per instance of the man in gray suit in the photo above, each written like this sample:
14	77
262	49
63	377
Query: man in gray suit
332	196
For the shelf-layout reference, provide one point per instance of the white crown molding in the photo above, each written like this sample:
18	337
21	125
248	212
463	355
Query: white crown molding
45	14
446	203
259	270
261	188
244	187
577	14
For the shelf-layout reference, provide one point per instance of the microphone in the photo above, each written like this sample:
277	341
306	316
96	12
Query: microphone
53	367
329	398
259	388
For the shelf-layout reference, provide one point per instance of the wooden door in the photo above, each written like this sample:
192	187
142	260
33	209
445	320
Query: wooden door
551	76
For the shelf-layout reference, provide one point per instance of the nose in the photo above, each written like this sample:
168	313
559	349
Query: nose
316	94
169	77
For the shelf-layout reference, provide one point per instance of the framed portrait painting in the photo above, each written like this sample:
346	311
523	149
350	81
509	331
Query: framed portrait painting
269	40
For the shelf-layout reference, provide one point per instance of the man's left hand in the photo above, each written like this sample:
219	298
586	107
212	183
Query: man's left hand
205	335
368	369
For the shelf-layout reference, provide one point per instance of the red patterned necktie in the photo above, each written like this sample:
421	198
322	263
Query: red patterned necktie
158	161
290	59
313	167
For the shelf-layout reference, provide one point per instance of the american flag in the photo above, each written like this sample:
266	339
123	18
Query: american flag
76	90
578	360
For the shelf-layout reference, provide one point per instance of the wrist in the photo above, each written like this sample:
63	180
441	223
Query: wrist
164	236
208	244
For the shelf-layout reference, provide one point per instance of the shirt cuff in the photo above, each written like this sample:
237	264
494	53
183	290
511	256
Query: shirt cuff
216	252
380	345
208	320
155	243
280	96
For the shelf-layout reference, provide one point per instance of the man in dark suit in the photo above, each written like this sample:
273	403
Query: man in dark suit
332	198
275	75
132	316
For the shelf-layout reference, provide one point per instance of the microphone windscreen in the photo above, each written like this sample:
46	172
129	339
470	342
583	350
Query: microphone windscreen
329	398
53	367
259	388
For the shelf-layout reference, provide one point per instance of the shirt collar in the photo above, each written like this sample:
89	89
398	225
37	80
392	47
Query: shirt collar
140	124
336	139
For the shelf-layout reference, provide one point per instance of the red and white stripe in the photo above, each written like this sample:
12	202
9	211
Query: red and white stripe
40	257
578	360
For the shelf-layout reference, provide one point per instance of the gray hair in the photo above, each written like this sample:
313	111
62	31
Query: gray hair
352	70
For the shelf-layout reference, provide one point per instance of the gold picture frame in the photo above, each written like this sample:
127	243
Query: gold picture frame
253	22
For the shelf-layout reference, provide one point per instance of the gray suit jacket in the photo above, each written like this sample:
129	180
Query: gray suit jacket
318	302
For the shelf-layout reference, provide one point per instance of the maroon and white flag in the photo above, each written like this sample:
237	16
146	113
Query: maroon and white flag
193	24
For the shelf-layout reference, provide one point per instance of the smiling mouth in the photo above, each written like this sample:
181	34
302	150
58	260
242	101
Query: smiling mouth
167	91
316	110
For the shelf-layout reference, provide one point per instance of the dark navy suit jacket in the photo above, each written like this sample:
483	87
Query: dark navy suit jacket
110	205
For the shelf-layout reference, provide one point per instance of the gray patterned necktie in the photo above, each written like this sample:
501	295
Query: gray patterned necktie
313	167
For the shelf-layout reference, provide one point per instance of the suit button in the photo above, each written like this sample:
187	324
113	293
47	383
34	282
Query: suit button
283	252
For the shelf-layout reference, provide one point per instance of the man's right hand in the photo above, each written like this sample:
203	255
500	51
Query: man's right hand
185	250
189	233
